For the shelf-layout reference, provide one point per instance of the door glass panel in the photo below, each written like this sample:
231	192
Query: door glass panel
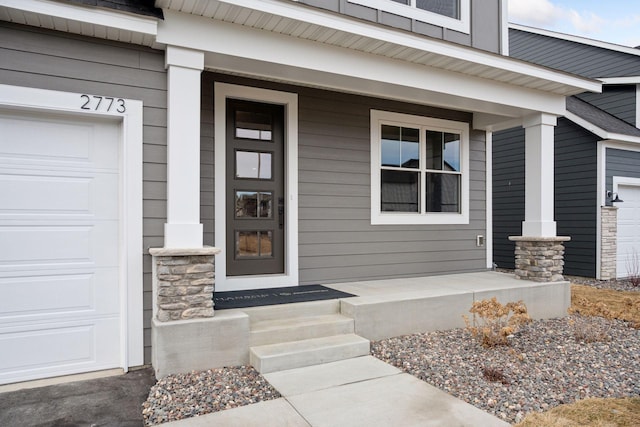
250	164
253	244
252	125
265	205
399	191
246	204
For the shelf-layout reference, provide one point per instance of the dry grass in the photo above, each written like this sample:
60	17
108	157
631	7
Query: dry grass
589	413
588	301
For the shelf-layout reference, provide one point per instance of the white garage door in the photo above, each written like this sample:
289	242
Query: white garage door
59	275
628	229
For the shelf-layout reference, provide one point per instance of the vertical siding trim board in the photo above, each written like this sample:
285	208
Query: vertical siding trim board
488	239
222	91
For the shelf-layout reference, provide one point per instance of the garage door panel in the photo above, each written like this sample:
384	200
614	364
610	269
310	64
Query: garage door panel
628	242
42	350
50	141
55	194
60	291
59	246
38	298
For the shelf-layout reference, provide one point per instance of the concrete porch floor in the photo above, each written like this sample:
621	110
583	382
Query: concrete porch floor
394	307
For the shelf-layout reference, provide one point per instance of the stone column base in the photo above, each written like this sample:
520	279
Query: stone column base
540	259
183	283
608	242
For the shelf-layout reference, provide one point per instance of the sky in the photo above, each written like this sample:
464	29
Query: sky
614	21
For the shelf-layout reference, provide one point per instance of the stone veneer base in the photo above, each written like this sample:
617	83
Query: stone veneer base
540	259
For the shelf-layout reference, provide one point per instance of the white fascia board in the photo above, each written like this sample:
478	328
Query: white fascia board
599	131
269	50
621	80
577	39
86	15
331	21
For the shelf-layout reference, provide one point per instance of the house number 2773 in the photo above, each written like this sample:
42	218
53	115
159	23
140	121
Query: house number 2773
103	103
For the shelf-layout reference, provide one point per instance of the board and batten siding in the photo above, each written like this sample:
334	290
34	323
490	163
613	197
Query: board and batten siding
485	22
337	242
619	101
575	181
51	60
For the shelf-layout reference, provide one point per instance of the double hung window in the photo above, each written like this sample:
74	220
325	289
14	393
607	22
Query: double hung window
419	170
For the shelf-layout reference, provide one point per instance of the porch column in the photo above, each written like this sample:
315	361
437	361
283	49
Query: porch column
183	228
539	189
539	252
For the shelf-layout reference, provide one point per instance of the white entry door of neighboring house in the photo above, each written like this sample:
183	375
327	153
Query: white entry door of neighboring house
59	238
628	229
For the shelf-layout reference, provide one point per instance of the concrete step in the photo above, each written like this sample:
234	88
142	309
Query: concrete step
288	311
297	354
299	328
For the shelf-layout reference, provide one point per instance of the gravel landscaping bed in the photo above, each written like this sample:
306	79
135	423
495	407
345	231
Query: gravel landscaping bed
544	366
197	393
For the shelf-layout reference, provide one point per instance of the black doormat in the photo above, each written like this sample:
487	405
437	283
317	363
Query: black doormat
275	296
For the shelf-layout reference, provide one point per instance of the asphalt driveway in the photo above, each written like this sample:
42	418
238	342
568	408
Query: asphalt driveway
112	401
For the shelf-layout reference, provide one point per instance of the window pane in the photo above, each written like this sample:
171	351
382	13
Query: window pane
246	204
448	8
250	164
252	125
399	191
390	145
451	152
400	146
443	192
401	1
434	150
265	205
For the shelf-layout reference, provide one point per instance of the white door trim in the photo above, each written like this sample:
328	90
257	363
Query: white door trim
222	91
128	113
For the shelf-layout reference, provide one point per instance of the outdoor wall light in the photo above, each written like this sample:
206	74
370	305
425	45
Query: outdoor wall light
613	197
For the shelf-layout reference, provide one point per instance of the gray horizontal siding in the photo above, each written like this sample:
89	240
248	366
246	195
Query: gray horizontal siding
575	194
621	163
619	101
336	239
485	22
64	62
576	58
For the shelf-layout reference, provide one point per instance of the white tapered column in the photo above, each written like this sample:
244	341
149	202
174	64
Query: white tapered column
183	228
539	189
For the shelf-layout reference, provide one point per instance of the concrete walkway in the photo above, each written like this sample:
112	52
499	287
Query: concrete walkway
356	392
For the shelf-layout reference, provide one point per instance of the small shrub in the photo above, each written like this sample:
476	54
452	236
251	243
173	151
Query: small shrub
633	268
494	323
495	375
589	329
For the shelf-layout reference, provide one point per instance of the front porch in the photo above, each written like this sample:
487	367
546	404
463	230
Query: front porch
381	309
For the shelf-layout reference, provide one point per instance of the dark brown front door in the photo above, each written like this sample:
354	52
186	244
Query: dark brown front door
255	188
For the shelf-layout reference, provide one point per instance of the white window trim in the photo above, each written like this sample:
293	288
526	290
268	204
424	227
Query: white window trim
222	91
131	298
462	25
377	216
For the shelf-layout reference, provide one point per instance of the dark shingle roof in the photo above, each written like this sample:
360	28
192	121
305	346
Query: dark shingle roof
139	7
600	118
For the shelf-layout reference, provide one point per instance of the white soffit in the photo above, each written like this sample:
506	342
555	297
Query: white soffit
292	19
83	20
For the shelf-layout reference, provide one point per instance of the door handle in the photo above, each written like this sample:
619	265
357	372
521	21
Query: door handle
281	212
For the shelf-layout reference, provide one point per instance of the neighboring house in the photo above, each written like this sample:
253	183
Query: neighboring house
309	141
597	155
